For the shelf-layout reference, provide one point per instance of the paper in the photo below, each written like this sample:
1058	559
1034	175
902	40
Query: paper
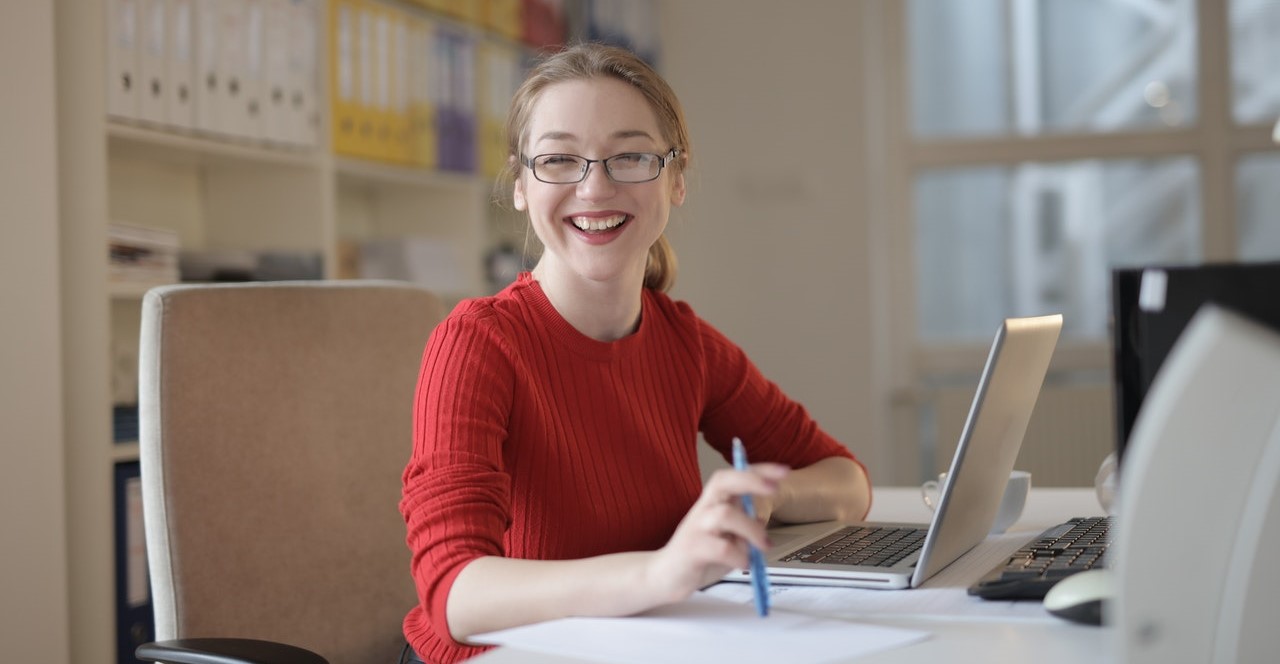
705	629
943	596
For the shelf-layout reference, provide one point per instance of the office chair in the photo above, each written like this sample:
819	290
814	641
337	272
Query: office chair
276	420
1202	468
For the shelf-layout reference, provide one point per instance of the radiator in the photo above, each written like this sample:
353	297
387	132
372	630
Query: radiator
1069	434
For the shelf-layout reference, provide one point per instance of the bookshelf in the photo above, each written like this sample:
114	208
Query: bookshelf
220	193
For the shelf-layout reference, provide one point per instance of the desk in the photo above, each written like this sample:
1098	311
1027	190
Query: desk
1045	640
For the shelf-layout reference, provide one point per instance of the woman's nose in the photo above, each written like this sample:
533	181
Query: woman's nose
597	183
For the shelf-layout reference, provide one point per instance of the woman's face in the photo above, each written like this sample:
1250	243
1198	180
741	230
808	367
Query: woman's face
596	118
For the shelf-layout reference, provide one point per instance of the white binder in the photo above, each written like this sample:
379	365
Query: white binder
122	59
152	93
231	46
275	79
304	72
210	84
249	122
181	64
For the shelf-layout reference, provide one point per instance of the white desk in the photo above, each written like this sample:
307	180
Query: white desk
1044	640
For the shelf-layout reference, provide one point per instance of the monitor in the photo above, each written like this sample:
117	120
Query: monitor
1150	307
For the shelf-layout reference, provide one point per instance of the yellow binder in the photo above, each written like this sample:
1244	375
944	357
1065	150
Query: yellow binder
344	76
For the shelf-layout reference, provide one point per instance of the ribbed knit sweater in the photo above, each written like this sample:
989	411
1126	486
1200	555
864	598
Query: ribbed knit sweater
534	441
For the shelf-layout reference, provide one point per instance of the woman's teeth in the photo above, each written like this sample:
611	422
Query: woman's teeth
588	224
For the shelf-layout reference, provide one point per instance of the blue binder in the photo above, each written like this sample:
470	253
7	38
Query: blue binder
135	623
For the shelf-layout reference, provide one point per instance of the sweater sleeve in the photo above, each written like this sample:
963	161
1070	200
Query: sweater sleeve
741	402
456	492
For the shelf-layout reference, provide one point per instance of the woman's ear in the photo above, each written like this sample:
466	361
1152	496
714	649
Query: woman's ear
678	190
517	192
517	195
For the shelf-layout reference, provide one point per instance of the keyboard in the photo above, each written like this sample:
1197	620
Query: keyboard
859	545
1065	549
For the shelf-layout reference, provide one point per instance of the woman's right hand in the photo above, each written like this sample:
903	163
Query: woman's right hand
713	536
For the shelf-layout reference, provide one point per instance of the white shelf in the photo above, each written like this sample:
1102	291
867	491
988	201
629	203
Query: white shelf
361	172
173	146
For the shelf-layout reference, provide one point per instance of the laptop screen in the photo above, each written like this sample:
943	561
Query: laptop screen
1151	306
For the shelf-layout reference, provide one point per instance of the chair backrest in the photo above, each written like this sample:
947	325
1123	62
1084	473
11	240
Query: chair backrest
1204	456
276	419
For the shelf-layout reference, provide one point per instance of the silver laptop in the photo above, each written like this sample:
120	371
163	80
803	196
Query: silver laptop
904	555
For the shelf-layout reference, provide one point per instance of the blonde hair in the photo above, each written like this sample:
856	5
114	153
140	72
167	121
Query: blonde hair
590	60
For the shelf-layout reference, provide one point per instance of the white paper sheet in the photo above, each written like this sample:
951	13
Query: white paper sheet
705	629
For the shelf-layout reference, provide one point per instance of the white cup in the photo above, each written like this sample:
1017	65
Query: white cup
1104	483
1011	504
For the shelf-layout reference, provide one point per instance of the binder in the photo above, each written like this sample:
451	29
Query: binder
122	59
399	118
503	17
466	103
152	59
344	76
456	119
543	26
422	105
249	113
232	65
180	66
379	110
468	11
274	93
303	75
366	120
500	75
210	83
135	620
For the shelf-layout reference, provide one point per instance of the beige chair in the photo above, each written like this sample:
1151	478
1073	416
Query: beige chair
276	420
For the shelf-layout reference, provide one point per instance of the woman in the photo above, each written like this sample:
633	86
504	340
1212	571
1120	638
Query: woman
554	470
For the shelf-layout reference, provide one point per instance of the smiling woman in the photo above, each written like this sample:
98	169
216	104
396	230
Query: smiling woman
555	467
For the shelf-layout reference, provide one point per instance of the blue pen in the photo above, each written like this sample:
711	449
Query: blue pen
759	578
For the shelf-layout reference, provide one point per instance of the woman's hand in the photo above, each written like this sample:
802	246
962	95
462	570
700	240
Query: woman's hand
712	538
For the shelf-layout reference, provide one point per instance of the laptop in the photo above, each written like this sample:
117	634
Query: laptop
904	555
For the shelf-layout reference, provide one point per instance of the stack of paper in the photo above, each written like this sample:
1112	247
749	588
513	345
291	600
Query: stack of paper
142	255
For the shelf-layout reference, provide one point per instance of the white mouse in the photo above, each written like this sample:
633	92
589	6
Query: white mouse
1082	596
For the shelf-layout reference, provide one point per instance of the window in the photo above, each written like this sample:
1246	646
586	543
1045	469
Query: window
1029	66
1006	96
1044	142
1037	238
1258	207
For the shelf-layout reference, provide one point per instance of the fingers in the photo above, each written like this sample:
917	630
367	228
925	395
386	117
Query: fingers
719	509
729	522
761	479
713	537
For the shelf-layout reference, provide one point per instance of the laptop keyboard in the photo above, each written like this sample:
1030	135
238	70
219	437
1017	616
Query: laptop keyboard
1074	546
860	545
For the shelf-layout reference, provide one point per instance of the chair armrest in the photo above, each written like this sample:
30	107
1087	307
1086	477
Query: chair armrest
225	651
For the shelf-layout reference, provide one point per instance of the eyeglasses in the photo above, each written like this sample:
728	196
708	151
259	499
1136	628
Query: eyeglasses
626	168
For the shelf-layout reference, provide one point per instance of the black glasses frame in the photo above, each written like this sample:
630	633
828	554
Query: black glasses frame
586	165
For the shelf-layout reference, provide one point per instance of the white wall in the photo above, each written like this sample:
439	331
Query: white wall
33	606
774	239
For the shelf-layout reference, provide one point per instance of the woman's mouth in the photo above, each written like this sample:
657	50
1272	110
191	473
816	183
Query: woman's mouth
598	224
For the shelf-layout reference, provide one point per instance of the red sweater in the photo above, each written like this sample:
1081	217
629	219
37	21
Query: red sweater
532	440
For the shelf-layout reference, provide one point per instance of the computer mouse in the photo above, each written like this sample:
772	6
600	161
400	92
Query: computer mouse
1082	596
